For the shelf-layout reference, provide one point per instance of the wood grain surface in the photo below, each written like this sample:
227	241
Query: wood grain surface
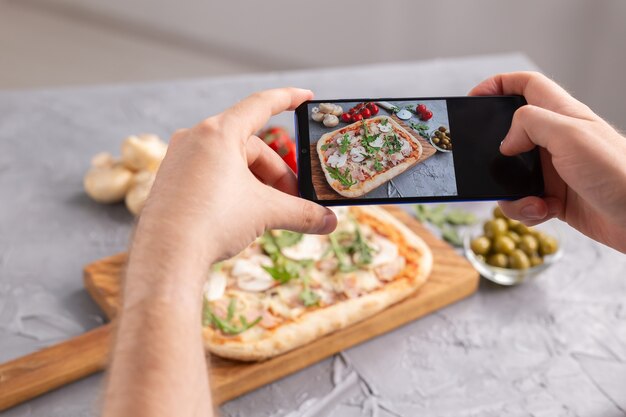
452	278
52	367
325	192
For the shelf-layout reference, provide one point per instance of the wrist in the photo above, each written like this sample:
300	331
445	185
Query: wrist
168	262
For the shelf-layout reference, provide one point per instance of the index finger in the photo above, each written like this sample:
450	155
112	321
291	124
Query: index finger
253	112
538	90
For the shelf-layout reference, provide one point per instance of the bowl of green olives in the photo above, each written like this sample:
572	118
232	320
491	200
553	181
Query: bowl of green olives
507	252
440	138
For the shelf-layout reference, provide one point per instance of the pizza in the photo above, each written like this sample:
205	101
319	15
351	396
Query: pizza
287	289
364	155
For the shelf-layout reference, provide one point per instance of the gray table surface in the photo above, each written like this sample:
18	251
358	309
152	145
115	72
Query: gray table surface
555	346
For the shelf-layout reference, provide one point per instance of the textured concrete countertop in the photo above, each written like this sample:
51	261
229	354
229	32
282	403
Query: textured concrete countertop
551	347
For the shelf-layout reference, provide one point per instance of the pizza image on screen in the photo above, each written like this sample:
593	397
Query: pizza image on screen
287	289
366	154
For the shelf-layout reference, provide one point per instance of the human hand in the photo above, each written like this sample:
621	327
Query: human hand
582	156
221	186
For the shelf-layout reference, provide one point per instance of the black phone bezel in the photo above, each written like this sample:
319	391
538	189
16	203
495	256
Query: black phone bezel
305	183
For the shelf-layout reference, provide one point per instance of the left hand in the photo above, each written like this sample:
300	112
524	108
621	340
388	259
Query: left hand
220	186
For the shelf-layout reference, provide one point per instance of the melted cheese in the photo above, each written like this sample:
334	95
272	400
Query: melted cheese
250	274
215	286
337	160
309	247
384	128
386	251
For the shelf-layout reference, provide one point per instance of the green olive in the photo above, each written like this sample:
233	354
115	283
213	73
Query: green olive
512	223
438	134
536	260
445	141
495	227
498	259
519	260
521	228
497	213
514	236
528	244
436	140
547	245
504	244
481	245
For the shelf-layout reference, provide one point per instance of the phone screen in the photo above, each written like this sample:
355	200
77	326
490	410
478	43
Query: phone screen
372	151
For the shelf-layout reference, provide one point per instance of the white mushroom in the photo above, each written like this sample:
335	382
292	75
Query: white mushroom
143	152
338	111
327	108
330	120
108	180
139	191
317	116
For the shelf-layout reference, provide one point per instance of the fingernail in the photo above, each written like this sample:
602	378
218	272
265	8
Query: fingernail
531	212
328	222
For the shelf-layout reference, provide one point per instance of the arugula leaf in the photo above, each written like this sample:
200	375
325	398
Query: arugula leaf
309	298
421	128
344	143
378	166
393	144
345	178
226	326
326	146
231	309
288	238
384	122
361	248
342	256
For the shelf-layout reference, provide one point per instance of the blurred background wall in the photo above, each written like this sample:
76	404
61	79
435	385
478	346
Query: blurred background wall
47	43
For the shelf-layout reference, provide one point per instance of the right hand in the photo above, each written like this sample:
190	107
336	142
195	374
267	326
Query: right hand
583	158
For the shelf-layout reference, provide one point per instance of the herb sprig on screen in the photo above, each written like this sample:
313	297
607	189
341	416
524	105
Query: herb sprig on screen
345	178
447	221
420	128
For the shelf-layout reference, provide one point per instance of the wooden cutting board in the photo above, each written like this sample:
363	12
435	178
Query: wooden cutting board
325	191
24	378
452	278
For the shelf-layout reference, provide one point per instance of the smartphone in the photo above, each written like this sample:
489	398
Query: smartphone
410	150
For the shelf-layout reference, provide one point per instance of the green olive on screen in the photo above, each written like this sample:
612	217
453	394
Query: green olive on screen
508	243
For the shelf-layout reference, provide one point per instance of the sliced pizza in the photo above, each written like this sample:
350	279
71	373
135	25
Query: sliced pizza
366	154
287	289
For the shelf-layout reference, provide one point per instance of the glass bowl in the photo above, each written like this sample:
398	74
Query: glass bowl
509	276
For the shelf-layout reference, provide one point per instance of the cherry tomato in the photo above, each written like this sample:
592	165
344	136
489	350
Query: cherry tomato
275	137
357	117
352	110
366	113
346	117
374	109
427	115
288	153
421	109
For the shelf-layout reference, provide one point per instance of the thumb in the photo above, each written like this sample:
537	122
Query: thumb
299	215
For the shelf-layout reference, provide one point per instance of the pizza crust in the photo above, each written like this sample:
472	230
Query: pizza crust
364	187
320	322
